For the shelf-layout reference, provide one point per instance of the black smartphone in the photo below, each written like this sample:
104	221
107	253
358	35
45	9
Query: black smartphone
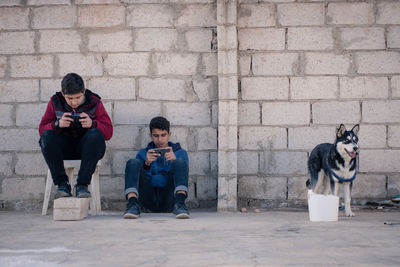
76	117
161	151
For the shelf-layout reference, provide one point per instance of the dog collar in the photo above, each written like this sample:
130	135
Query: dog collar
341	179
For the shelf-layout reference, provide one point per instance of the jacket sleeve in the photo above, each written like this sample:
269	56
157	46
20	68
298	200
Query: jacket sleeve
48	119
102	121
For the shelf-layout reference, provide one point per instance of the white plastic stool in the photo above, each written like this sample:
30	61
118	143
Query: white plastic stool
70	165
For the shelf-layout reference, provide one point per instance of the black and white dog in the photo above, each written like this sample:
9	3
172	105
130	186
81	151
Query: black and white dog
333	164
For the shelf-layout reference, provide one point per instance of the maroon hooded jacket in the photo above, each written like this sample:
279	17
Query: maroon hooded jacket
93	106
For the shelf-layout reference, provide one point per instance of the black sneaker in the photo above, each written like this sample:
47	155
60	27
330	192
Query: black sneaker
82	191
132	209
64	190
180	210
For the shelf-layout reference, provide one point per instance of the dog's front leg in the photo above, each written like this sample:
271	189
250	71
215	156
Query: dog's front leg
347	200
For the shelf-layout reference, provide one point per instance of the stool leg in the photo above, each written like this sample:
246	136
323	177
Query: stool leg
71	179
47	191
95	204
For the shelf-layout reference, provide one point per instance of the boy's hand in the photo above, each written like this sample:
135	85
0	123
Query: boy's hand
85	120
65	121
170	156
151	156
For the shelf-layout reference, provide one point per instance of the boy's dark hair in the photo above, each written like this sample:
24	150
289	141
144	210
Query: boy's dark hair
159	123
72	84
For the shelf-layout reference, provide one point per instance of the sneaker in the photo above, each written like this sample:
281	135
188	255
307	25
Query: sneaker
396	199
180	210
82	191
64	190
132	209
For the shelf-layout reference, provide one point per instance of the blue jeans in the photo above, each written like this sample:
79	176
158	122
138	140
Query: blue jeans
89	149
156	199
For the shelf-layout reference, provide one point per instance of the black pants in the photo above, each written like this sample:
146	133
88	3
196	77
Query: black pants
156	199
89	149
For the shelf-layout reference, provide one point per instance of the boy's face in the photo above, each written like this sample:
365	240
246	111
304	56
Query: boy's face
160	137
74	100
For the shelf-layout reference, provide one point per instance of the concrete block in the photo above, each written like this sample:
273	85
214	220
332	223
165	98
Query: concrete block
48	87
206	89
206	188
226	12
314	87
372	136
185	136
326	63
388	13
70	209
378	62
214	114
101	16
30	164
175	64
336	112
214	163
112	189
275	64
310	38
27	188
125	137
227	88
3	66
363	38
227	162
8	41
207	138
188	113
227	193
48	2
393	185
199	40
31	66
19	90
297	188
308	137
249	113
113	88
350	13
260	15
283	162
262	138
254	187
30	114
393	37
369	186
10	3
364	87
6	167
289	113
381	111
227	111
52	41
301	14
227	37
227	137
244	65
210	64
227	62
162	89
127	64
54	17
155	39
394	136
261	39
116	41
7	114
86	65
388	160
14	18
137	112
87	2
17	140
197	16
247	162
395	82
199	163
260	88
192	192
120	158
154	15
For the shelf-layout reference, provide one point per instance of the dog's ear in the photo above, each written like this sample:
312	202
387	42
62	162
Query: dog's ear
356	129
341	130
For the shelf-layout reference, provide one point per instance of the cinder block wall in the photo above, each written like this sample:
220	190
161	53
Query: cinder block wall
303	68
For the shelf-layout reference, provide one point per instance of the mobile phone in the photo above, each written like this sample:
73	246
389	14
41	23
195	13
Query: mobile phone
161	151
76	117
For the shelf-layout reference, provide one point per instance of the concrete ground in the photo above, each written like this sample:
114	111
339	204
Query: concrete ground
270	238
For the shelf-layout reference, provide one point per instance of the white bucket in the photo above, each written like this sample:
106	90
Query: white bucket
323	208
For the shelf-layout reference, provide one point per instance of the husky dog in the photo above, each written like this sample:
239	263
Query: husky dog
333	164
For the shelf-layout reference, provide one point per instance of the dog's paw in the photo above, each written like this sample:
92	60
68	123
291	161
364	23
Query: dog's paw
350	214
